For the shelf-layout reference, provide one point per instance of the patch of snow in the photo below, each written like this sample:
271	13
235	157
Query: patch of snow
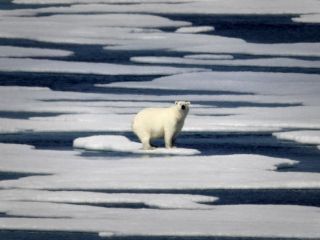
195	29
10	51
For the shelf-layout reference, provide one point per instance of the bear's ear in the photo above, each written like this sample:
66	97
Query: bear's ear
188	103
176	102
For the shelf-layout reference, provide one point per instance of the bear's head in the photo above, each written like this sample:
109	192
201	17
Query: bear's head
183	106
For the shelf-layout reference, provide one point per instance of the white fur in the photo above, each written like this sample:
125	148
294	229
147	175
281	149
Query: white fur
153	123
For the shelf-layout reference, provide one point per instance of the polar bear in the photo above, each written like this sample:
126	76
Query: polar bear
153	123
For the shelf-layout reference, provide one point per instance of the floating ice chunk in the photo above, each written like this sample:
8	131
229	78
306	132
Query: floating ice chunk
43	65
67	170
260	221
195	29
10	51
83	29
187	7
305	137
123	144
164	201
308	18
261	62
209	56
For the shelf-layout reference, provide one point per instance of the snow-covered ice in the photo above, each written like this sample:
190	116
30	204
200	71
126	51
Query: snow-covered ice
195	29
11	51
188	7
58	66
163	201
262	62
231	220
209	56
123	144
238	171
308	18
304	137
84	175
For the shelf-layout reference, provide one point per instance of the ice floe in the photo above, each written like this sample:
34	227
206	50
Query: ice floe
187	7
303	88
163	201
305	137
231	220
123	144
308	18
11	51
57	66
208	56
67	170
198	29
261	62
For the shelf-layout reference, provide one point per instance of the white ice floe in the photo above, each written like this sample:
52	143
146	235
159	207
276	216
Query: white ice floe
304	137
303	88
56	66
197	29
276	221
67	170
122	144
10	51
132	32
83	29
114	112
261	62
208	56
187	7
270	83
163	201
308	18
205	43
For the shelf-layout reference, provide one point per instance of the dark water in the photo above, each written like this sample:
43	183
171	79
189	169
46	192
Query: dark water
256	28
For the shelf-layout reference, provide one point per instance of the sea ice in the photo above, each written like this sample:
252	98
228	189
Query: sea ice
57	66
187	7
67	170
163	201
197	29
11	51
269	221
123	144
261	62
209	56
305	137
308	18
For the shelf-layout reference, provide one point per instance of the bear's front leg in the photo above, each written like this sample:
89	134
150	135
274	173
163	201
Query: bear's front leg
168	138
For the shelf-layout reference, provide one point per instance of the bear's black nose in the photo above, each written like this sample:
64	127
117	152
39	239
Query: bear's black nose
183	107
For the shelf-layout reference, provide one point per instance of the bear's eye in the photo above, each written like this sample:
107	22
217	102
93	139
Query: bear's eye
183	107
